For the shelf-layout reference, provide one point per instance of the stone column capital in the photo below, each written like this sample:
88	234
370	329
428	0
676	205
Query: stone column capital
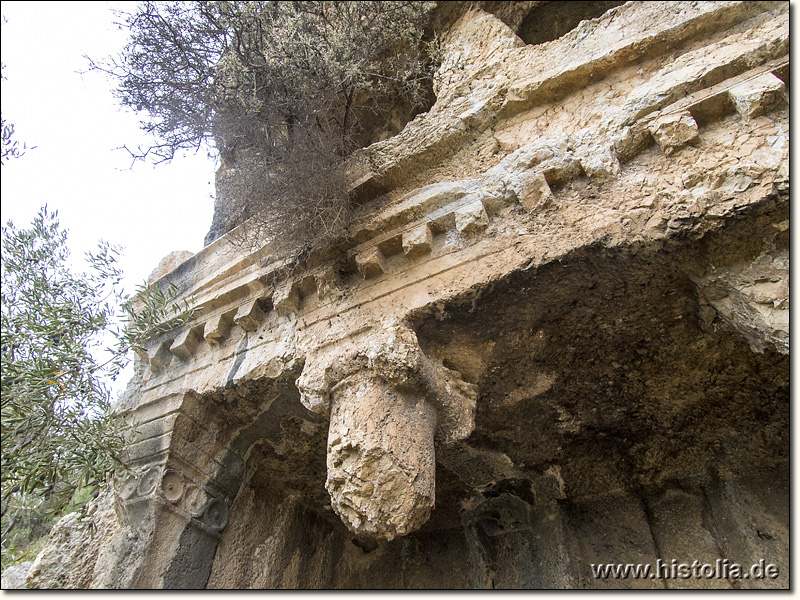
390	350
387	404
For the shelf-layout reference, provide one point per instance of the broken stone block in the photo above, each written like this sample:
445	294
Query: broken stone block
756	96
329	284
216	329
535	193
499	195
286	299
249	316
417	241
370	263
160	358
600	163
471	219
674	131
185	345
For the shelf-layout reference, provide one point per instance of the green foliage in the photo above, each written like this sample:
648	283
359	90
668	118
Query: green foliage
59	433
152	311
27	520
10	147
26	523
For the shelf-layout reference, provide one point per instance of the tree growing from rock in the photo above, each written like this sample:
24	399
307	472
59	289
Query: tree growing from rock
289	88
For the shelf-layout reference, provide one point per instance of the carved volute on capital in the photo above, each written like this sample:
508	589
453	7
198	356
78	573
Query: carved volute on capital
386	402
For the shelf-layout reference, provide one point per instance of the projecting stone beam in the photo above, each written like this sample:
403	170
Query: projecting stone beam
756	96
185	345
216	328
286	299
370	263
471	219
249	316
417	241
160	357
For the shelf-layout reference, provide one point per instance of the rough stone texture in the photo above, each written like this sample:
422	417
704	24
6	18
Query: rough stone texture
756	96
14	577
556	335
675	131
168	264
418	241
77	553
751	299
381	475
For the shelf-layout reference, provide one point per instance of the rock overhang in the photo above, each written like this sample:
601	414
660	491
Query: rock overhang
543	263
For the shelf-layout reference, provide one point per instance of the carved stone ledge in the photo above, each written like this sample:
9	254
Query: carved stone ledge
216	328
250	316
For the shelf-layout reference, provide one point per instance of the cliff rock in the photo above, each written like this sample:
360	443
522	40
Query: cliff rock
554	337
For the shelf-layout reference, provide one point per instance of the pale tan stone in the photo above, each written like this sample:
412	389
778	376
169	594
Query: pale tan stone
535	193
674	131
370	263
169	263
756	96
605	358
160	357
185	345
418	241
471	219
328	284
216	328
381	475
249	316
286	298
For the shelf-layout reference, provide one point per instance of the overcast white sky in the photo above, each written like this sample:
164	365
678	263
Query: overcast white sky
75	125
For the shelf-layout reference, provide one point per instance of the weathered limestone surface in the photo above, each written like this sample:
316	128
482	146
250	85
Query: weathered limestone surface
556	335
14	577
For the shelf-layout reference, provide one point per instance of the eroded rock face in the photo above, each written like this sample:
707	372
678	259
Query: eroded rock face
381	473
386	402
555	336
14	577
751	298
